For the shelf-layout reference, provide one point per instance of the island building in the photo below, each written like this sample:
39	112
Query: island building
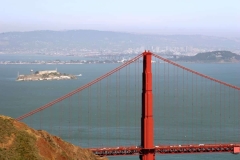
47	72
45	75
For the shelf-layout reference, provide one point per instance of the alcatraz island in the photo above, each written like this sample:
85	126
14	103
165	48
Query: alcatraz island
45	75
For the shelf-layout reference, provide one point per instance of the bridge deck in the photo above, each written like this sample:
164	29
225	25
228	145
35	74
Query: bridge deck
166	149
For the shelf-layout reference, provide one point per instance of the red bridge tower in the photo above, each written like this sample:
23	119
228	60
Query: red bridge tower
147	133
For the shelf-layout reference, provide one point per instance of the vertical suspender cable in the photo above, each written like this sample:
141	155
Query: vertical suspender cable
164	99
186	108
175	105
228	105
50	114
215	109
155	83
116	107
100	113
192	109
107	110
224	111
238	114
157	100
196	106
139	96
168	132
205	107
135	104
220	106
211	110
159	104
68	118
40	117
177	108
88	120
183	117
128	105
60	119
118	104
201	107
79	121
90	116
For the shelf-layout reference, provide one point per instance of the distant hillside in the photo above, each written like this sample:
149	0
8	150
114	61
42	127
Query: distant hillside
73	41
19	142
215	56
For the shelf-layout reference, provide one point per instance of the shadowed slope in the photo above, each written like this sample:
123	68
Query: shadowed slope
18	141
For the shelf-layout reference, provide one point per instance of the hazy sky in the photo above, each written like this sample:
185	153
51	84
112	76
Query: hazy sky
208	17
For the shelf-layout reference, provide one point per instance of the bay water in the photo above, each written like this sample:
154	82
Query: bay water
18	98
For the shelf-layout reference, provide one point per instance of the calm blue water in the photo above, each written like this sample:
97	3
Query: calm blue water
17	98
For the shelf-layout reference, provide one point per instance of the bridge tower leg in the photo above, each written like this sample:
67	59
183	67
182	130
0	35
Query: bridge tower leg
147	132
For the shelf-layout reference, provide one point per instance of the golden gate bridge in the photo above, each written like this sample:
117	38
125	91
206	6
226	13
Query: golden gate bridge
149	105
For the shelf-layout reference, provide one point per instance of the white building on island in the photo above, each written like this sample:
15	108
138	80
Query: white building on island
47	71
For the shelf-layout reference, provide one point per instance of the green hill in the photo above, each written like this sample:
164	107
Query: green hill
20	142
215	56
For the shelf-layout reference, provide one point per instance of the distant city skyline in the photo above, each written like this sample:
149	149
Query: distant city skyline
214	17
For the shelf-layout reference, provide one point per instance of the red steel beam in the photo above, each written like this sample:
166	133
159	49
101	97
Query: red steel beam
166	149
147	110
